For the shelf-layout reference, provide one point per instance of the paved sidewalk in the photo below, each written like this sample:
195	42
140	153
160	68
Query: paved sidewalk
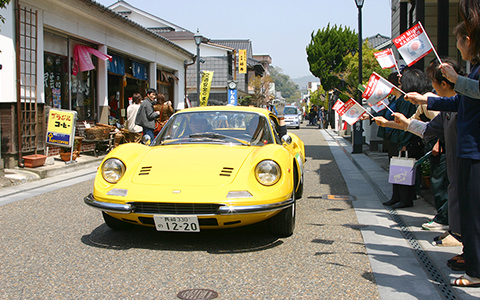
54	167
405	263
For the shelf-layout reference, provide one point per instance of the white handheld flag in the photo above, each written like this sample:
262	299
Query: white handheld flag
377	89
337	105
381	105
413	44
385	58
351	111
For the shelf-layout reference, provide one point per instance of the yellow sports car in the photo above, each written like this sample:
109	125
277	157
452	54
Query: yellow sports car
210	167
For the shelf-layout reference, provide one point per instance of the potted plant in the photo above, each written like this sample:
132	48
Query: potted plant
66	153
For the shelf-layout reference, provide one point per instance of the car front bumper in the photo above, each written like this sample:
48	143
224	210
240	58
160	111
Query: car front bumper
128	208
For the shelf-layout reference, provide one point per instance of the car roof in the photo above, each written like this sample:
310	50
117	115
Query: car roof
262	111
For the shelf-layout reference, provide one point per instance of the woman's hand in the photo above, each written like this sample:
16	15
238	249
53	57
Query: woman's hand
449	72
416	98
401	120
364	117
381	121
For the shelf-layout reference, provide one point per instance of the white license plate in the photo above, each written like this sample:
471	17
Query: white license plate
176	223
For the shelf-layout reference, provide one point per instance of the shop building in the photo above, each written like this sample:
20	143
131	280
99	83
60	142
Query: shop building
219	56
77	55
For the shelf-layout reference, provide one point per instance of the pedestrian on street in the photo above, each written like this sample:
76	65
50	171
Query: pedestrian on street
134	130
146	115
321	118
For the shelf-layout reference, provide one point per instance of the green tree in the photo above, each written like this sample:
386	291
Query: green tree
326	52
318	98
3	4
369	65
283	83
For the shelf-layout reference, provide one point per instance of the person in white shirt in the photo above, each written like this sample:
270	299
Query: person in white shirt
135	131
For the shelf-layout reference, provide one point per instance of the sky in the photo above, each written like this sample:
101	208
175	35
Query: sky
279	28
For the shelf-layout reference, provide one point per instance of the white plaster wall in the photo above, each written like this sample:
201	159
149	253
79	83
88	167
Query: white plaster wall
78	20
7	56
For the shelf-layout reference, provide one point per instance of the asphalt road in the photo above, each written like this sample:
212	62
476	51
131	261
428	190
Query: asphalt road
55	247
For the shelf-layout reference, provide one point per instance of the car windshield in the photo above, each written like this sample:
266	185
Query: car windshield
217	127
290	111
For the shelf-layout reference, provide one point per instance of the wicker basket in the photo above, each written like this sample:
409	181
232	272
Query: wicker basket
97	133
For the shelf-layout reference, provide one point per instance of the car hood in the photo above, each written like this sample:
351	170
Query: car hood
195	165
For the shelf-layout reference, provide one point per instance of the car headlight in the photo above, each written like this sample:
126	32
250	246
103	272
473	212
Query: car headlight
112	170
267	172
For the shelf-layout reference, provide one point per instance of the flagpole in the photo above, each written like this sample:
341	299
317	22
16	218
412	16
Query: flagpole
428	38
396	66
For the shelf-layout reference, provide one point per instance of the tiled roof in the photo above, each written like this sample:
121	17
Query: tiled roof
113	14
379	41
236	44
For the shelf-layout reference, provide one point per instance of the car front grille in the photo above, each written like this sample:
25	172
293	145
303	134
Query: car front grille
175	208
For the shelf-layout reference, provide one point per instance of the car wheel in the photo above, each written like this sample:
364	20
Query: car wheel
115	224
283	224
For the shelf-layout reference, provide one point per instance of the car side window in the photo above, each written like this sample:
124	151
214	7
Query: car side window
276	130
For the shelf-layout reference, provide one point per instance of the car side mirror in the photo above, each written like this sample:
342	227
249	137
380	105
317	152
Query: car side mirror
146	139
287	139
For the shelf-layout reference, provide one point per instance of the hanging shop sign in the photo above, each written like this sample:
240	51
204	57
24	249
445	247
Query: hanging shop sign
242	61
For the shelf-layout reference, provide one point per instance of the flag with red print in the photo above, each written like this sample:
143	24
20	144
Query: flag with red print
378	88
413	44
351	111
385	58
381	105
337	105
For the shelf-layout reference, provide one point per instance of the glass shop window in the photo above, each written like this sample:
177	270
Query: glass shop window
55	80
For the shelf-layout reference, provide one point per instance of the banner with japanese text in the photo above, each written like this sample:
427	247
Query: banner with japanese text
205	87
242	61
413	44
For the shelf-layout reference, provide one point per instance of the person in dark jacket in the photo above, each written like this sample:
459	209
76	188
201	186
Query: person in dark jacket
146	115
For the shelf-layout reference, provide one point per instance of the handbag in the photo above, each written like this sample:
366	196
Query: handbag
402	170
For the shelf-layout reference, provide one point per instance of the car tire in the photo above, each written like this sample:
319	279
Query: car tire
115	224
283	224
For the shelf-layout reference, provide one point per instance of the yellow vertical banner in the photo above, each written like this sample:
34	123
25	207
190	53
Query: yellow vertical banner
242	61
205	87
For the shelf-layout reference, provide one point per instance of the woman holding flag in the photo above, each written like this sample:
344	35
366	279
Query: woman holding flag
468	146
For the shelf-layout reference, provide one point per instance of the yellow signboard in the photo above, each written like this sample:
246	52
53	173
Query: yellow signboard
242	61
205	87
61	127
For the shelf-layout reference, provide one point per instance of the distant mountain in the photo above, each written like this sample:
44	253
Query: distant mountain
303	81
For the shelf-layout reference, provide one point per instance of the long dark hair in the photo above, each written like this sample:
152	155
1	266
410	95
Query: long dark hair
470	13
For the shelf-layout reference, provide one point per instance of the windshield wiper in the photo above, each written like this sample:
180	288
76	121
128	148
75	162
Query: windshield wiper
214	135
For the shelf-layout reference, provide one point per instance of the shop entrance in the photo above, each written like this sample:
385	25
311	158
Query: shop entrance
120	90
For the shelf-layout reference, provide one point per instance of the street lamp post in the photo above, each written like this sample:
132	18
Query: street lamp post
198	40
357	132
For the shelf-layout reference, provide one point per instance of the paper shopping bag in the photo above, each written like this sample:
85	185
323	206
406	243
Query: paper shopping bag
402	170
